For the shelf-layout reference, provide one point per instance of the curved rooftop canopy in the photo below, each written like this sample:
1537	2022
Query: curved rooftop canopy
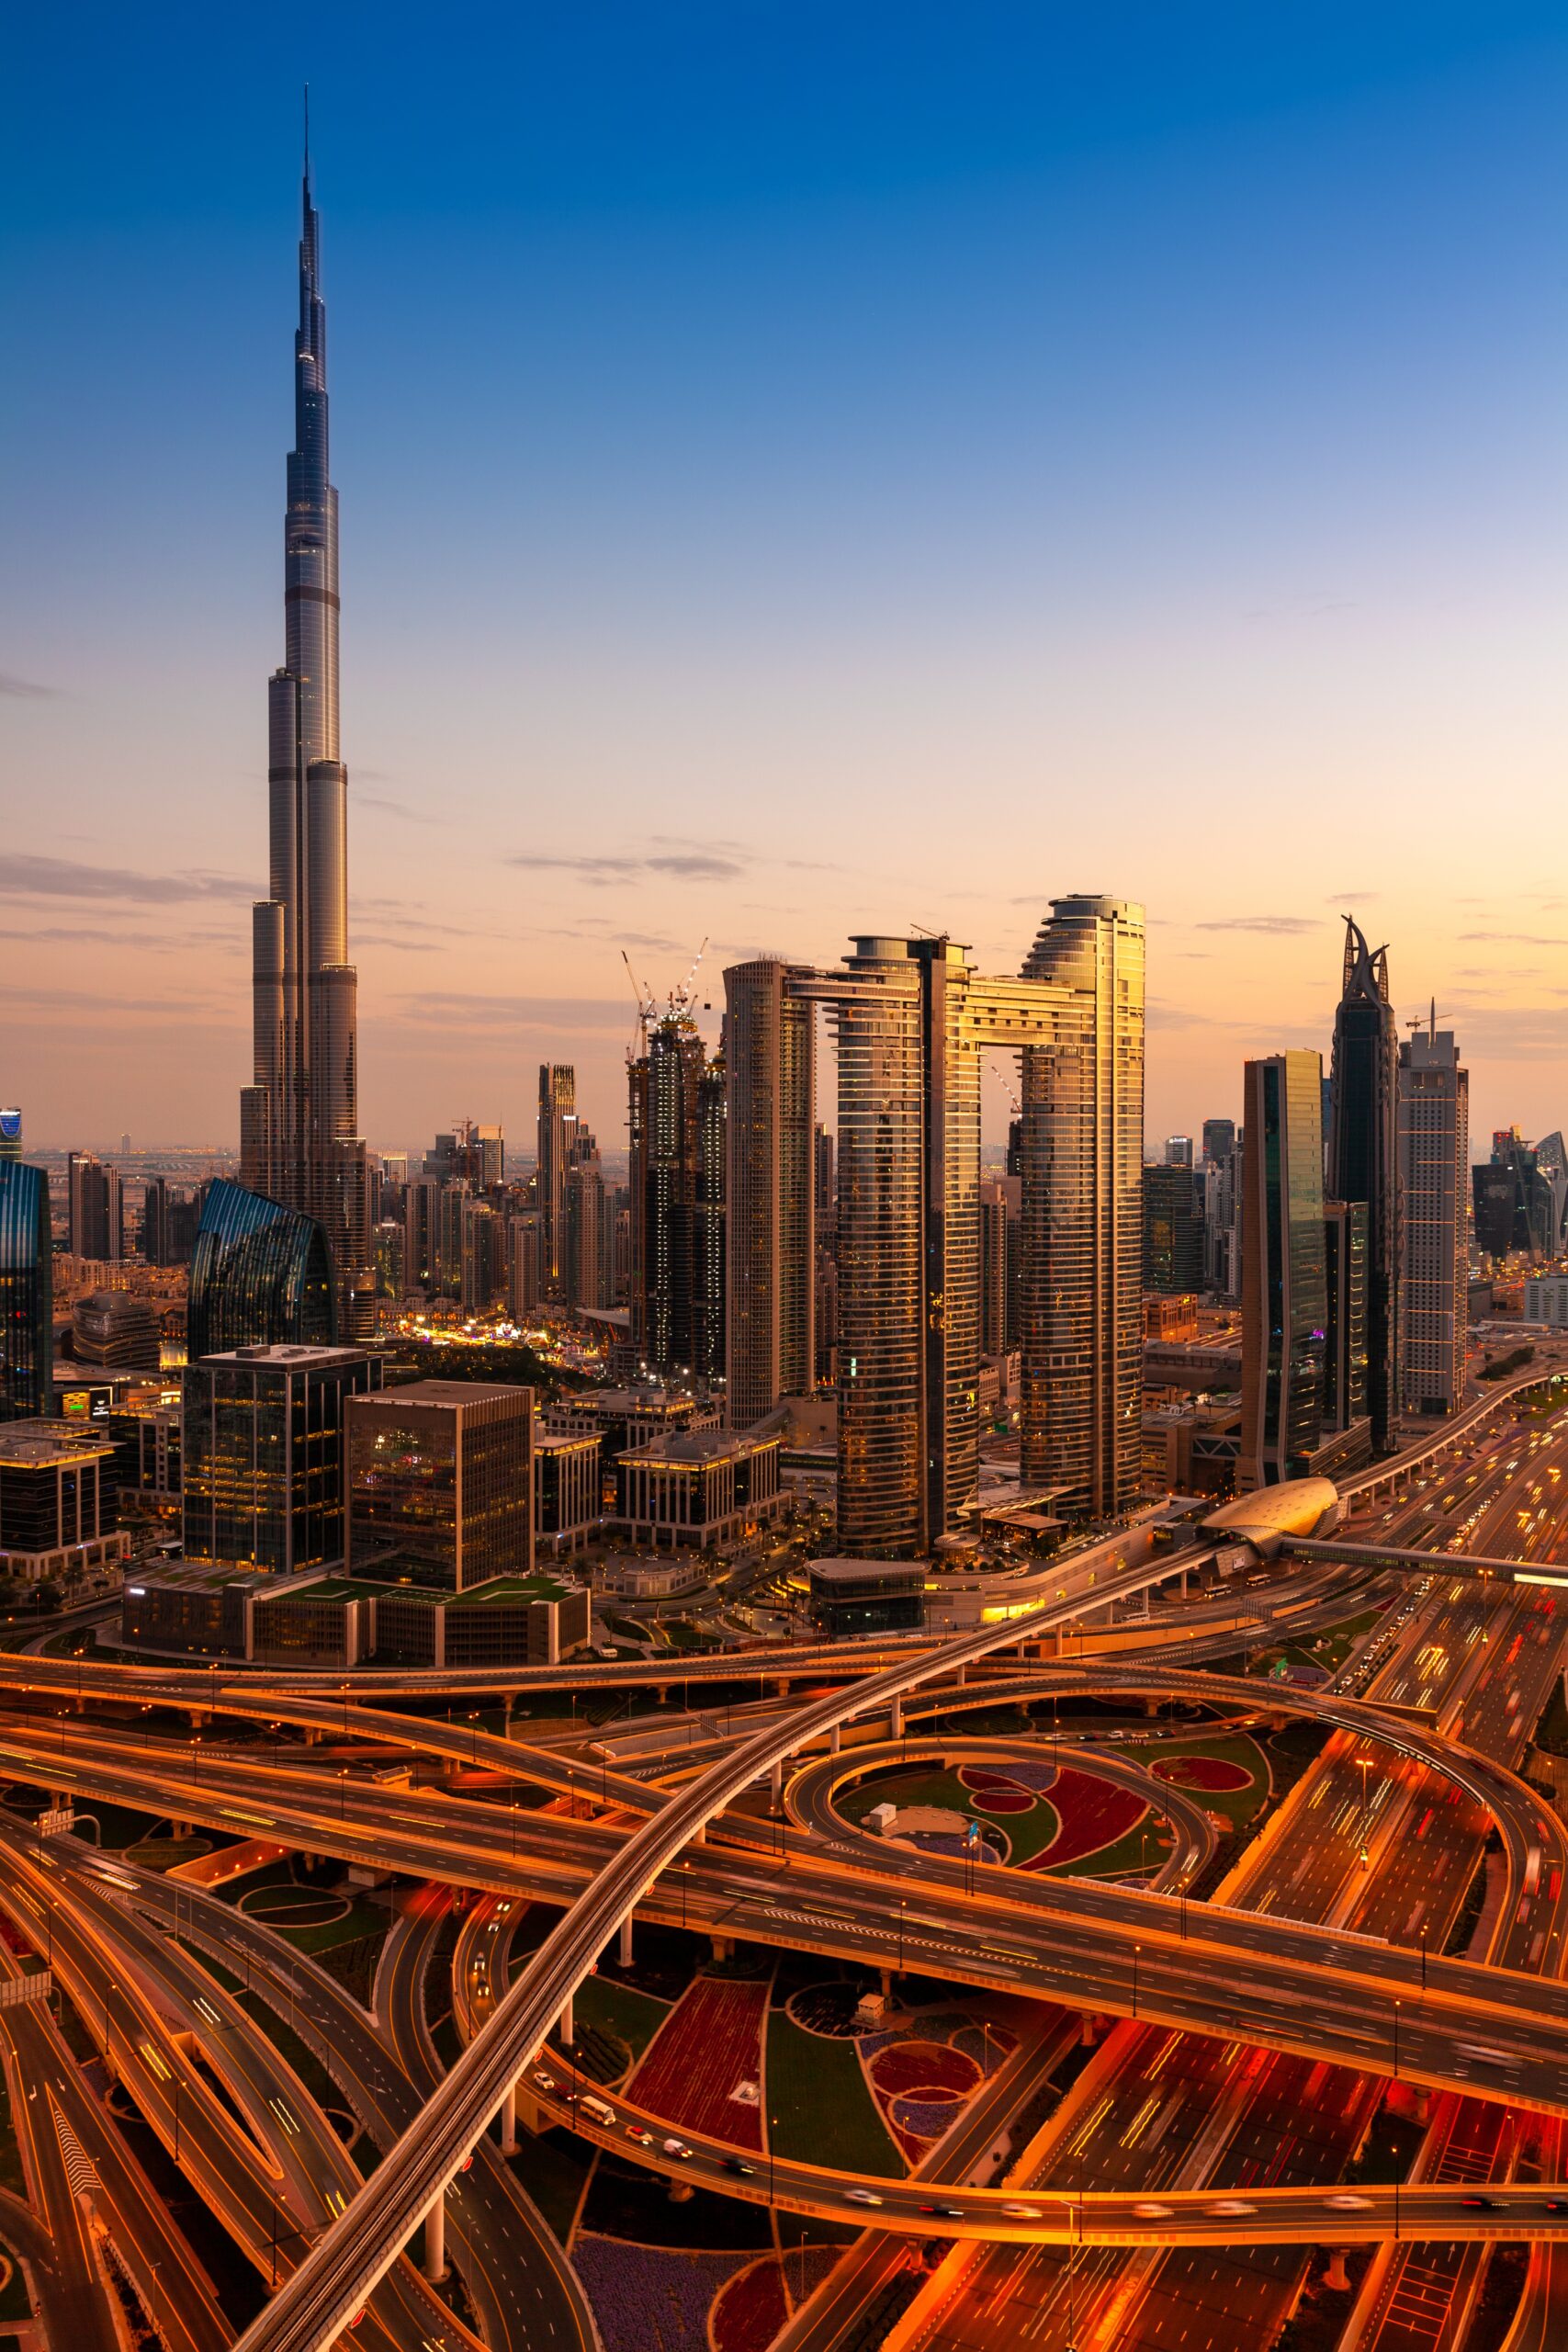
1301	1506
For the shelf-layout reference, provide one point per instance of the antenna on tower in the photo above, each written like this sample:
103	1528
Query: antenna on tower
307	134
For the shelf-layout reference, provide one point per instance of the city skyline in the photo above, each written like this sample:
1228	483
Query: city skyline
1109	683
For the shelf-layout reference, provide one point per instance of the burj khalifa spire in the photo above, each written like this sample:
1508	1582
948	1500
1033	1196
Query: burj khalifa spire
298	1118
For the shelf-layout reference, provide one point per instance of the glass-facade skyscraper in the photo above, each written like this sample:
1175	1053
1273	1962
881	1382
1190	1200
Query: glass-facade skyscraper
677	1157
260	1276
770	1062
298	1117
1434	1162
1363	1158
27	1293
1284	1274
1082	1240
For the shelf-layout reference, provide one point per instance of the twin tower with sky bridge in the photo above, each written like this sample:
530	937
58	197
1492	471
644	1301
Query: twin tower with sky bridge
913	1024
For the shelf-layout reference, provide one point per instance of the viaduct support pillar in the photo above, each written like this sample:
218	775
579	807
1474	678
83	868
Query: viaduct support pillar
775	1783
1336	2277
625	1953
509	2122
435	2240
895	1718
836	1738
567	2024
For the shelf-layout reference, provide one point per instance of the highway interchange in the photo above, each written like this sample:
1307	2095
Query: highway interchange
1350	1893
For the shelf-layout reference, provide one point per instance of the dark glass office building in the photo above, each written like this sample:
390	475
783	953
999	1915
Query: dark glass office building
1363	1158
27	1294
265	1454
440	1489
260	1276
1284	1286
677	1124
1173	1232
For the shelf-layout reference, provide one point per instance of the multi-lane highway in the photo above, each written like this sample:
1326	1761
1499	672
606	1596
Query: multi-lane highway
1277	1931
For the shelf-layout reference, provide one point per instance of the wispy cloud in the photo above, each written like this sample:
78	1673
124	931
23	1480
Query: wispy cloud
669	855
1514	938
24	876
25	689
684	865
448	1009
1278	926
388	806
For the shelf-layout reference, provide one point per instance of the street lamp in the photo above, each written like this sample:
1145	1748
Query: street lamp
1136	1950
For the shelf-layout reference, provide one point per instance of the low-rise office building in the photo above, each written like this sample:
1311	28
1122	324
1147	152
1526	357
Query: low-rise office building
852	1597
568	1502
704	1486
327	1619
265	1454
440	1475
57	1503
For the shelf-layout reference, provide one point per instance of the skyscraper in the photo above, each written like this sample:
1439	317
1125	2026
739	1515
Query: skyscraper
27	1293
298	1118
10	1133
1081	1341
1219	1140
558	1107
1363	1158
96	1207
676	1105
1284	1286
1434	1158
774	1170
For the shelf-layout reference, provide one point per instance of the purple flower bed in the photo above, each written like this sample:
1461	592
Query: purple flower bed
647	2298
928	2119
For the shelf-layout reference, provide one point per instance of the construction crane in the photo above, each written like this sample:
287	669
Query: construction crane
646	1011
1428	1020
1009	1079
681	997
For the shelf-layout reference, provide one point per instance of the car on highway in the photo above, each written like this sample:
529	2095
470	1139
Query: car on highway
674	2147
1148	2209
862	2196
640	2133
738	2165
1230	2208
947	2212
1022	2213
545	2082
1346	2202
1479	2204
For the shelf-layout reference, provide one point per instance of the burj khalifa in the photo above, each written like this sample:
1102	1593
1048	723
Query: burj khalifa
298	1118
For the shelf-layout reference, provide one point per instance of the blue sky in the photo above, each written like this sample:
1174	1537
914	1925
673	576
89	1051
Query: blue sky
802	470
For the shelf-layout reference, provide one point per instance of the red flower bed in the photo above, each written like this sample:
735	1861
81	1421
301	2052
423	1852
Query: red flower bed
1211	1772
927	2070
750	2309
711	2041
1094	1814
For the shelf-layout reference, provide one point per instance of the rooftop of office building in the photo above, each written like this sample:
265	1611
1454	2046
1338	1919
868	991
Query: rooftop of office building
700	1446
51	1445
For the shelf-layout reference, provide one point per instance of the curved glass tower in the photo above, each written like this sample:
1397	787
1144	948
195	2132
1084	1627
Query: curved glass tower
27	1293
300	1116
260	1276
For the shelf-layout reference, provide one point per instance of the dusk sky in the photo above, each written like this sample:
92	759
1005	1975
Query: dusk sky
803	470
